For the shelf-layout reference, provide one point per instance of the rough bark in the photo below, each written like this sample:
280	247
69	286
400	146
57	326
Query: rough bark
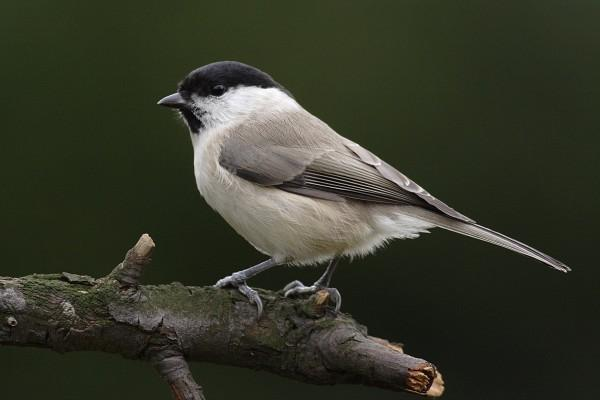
166	325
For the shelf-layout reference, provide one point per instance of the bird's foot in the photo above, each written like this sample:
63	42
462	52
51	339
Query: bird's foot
238	281
297	288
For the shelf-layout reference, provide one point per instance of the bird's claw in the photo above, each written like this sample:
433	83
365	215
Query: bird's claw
253	297
297	288
243	288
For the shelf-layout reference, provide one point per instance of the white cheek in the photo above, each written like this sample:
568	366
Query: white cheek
239	103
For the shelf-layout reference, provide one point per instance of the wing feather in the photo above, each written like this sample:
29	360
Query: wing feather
403	181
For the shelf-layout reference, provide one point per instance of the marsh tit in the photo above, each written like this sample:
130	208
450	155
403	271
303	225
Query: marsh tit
294	188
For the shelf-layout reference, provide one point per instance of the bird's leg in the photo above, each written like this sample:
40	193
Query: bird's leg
325	279
297	288
238	280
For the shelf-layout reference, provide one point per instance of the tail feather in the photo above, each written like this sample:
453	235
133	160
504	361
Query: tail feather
487	235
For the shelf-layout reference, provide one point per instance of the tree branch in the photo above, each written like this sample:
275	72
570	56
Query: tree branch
166	325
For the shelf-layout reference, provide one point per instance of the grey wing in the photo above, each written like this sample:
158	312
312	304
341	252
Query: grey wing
391	173
348	177
327	171
272	165
264	164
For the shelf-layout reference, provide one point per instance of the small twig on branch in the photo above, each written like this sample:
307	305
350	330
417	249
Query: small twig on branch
171	365
128	273
166	325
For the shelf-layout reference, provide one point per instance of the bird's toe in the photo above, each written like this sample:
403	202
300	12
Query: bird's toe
233	280
292	285
236	280
253	297
335	297
296	288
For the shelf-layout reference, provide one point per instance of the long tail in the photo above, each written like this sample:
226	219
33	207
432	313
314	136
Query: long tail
487	235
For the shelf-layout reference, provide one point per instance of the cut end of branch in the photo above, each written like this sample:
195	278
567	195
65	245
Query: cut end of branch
128	273
141	252
437	388
144	246
421	379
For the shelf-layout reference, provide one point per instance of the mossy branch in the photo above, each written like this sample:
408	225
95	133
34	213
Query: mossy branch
166	325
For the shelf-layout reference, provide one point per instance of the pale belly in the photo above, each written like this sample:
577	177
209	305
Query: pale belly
286	226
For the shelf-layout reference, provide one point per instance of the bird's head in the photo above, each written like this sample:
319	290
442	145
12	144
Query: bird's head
224	92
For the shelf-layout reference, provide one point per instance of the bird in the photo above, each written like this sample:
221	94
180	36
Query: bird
294	188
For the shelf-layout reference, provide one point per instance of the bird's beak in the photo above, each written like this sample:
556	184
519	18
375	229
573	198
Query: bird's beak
173	101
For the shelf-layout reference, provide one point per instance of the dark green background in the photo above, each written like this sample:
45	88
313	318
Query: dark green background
492	106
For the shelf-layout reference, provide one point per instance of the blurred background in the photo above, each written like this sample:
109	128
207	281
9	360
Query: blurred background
492	106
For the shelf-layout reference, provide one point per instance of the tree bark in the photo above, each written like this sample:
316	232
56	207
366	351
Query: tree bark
166	325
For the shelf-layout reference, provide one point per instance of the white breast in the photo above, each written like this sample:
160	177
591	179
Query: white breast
206	151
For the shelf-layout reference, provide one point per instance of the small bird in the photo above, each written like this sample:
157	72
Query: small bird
294	188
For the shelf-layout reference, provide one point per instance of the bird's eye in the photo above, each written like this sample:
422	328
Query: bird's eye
217	90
